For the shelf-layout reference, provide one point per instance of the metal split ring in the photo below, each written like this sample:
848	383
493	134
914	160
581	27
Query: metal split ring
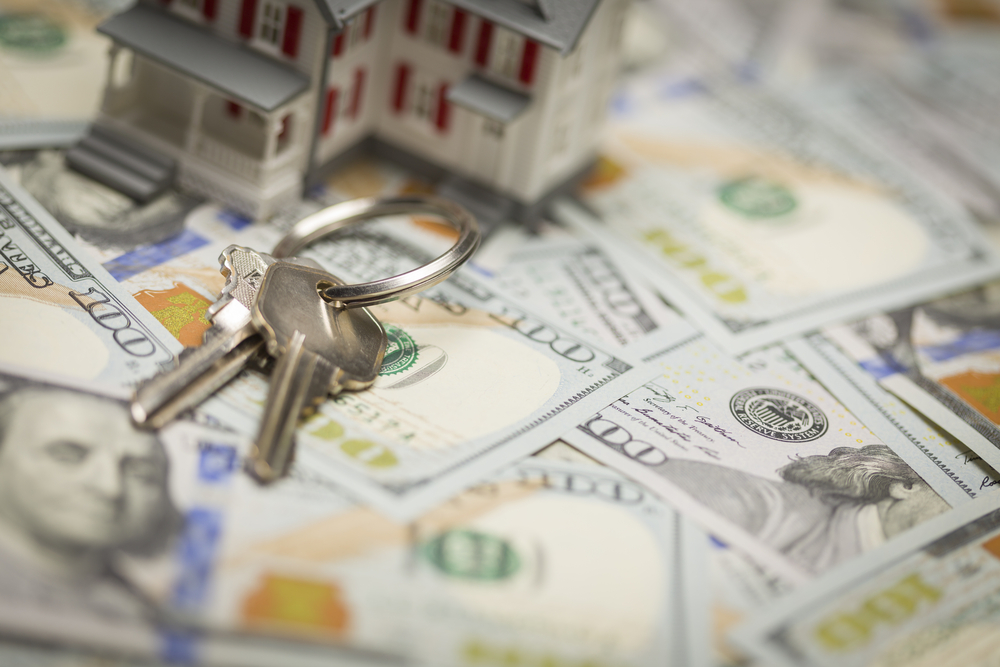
334	218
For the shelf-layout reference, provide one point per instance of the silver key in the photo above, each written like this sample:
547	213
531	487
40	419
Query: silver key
202	370
321	349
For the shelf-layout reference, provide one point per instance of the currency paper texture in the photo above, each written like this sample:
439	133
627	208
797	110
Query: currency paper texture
930	599
746	211
765	459
62	312
941	358
549	561
575	280
471	381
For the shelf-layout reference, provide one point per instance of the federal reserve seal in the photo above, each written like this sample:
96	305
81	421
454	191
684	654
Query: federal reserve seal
778	414
400	352
757	198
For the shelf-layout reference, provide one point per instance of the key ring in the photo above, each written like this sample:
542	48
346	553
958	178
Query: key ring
336	217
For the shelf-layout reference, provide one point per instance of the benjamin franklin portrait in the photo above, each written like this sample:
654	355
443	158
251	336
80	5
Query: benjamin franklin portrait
80	490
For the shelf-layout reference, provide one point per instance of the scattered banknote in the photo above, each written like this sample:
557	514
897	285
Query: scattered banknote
574	280
940	357
765	459
98	213
109	535
927	600
739	586
62	312
549	561
932	453
53	66
746	210
887	111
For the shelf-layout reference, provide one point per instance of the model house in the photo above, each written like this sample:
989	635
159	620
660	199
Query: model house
249	101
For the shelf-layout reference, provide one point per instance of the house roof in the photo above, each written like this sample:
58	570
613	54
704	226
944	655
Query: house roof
489	99
554	23
235	70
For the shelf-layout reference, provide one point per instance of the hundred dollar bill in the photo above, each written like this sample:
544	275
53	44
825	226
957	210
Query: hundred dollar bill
958	473
98	213
941	357
888	111
573	279
546	563
766	460
63	312
739	587
747	211
193	562
109	535
928	599
53	66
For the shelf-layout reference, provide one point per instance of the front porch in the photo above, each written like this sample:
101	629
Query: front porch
240	136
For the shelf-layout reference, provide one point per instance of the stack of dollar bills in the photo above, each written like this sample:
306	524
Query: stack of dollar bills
736	401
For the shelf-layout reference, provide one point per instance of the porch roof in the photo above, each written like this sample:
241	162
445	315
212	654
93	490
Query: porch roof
487	98
233	69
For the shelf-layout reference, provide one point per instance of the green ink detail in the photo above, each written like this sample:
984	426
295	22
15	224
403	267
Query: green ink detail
400	353
31	32
469	554
757	198
328	431
370	453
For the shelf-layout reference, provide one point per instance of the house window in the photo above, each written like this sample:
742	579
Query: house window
424	103
369	22
438	23
272	18
196	9
507	53
493	128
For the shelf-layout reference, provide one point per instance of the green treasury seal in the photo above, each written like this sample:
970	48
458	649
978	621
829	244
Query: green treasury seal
400	353
756	198
32	33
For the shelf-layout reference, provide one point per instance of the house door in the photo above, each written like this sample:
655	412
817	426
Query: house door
486	146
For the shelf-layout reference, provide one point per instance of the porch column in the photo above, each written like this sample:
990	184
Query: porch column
109	85
273	130
194	124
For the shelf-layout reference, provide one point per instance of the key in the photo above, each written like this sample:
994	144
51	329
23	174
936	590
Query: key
320	348
202	370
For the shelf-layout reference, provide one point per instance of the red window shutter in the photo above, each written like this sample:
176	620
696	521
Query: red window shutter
248	14
529	58
413	16
457	36
285	125
402	82
234	109
338	43
443	116
331	105
483	43
293	28
369	22
210	9
359	86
